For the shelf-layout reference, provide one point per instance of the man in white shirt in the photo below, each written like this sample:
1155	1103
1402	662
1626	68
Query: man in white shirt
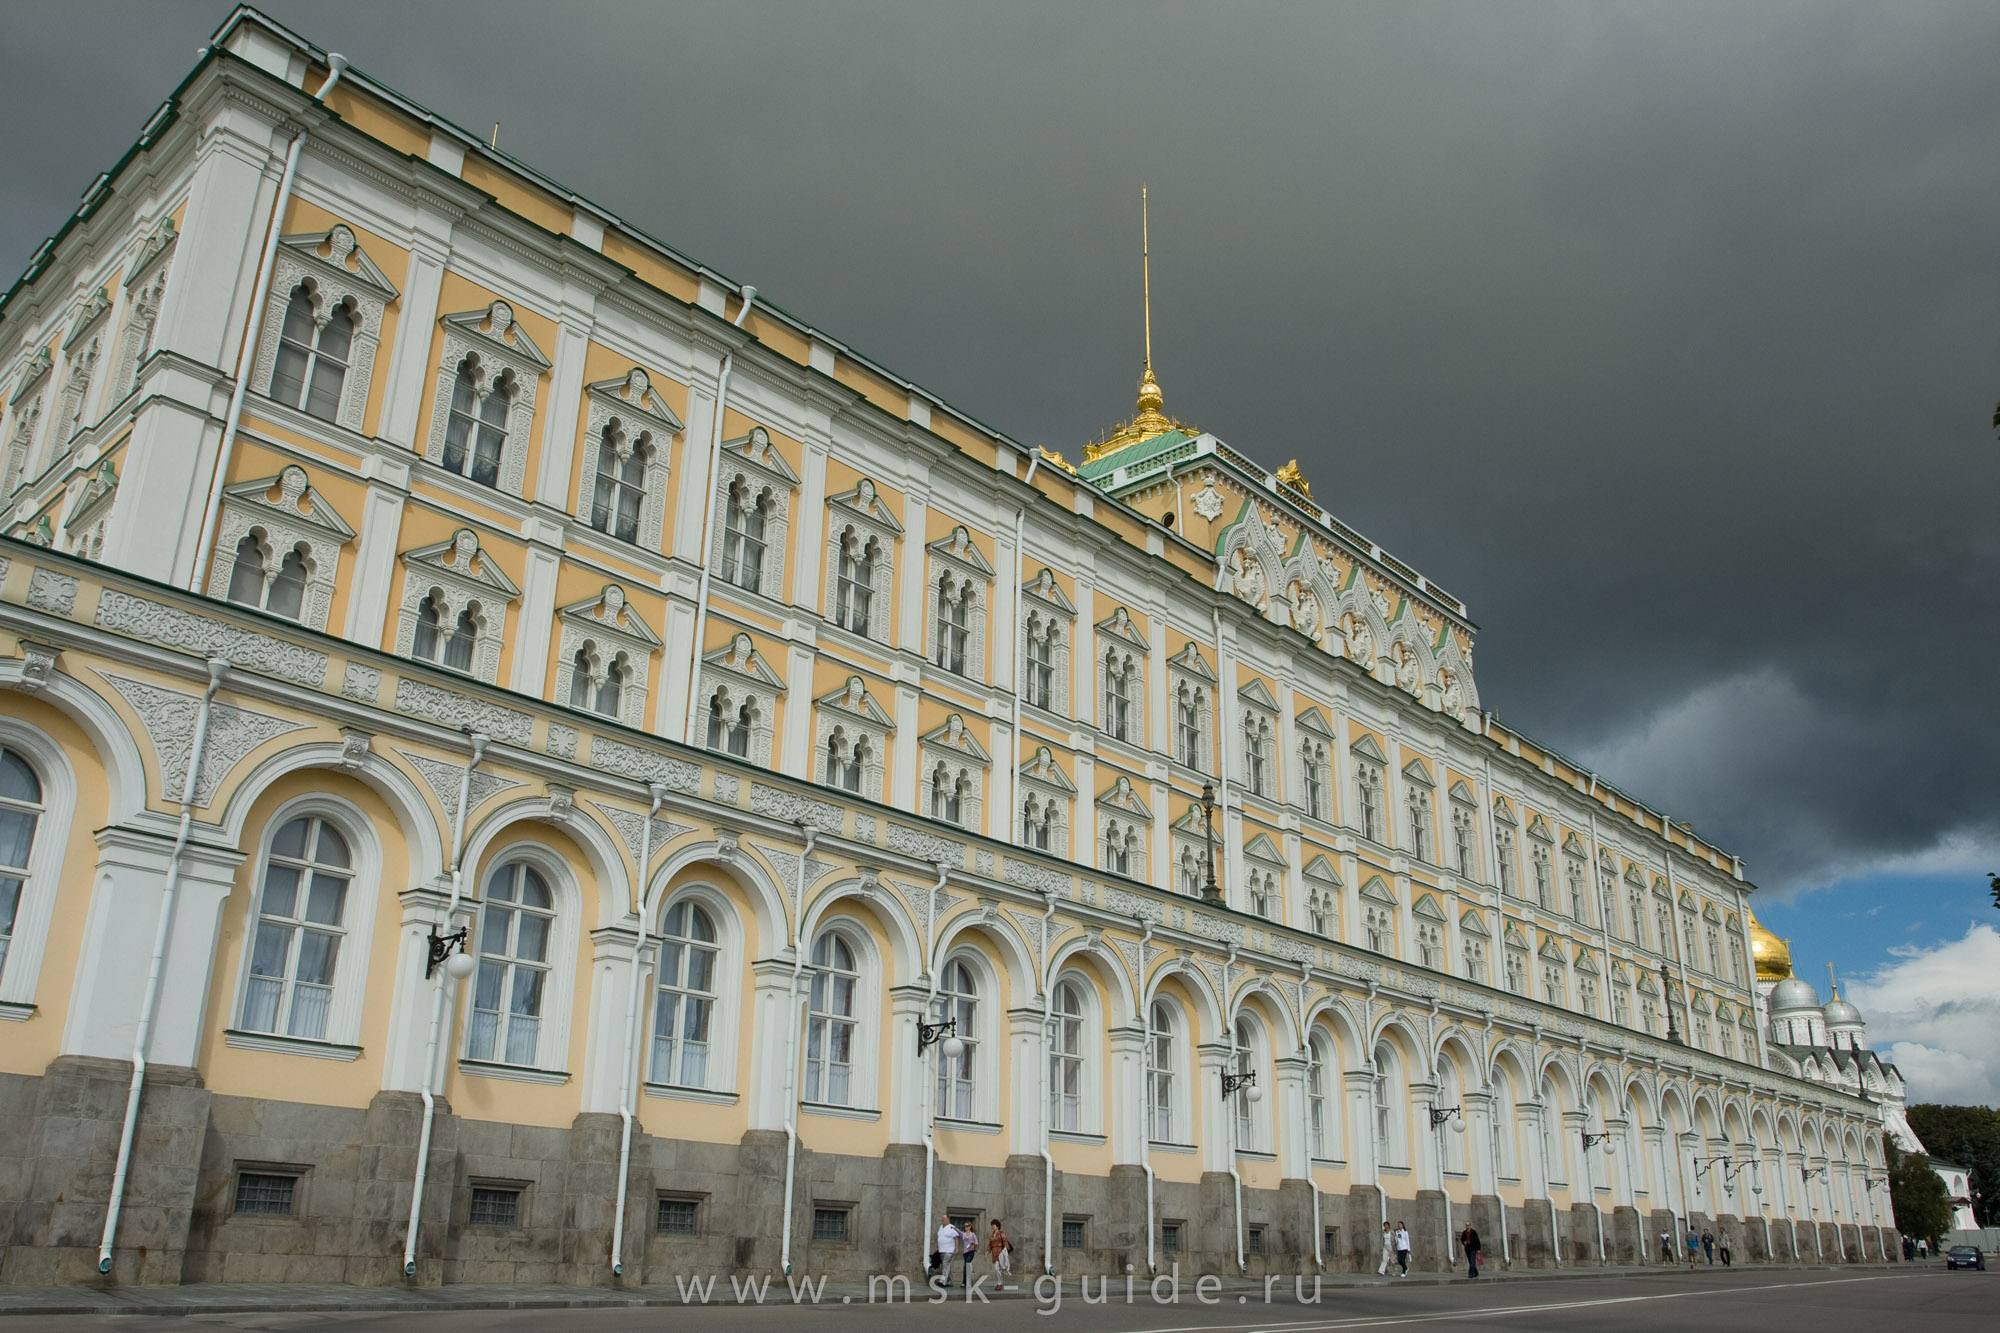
947	1247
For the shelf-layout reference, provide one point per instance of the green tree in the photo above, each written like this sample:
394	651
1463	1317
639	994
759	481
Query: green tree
1917	1195
1968	1136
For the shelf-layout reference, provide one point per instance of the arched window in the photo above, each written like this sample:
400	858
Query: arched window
743	536
1187	726
288	590
1161	1068
514	934
1538	858
1418	803
300	925
621	485
1461	839
1312	775
854	587
1368	799
1503	856
476	434
1256	753
1037	817
947	795
685	1001
1066	1060
958	999
1041	682
1189	872
844	758
1318	1075
598	692
1118	695
1118	840
424	646
1385	1110
1552	1164
1430	944
954	623
312	363
1380	927
830	1022
246	576
20	812
729	728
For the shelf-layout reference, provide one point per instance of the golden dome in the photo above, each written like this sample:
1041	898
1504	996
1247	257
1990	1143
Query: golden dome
1771	954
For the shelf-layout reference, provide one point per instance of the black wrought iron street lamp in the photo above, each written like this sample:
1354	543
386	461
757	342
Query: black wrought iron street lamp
1209	890
1591	1140
1440	1114
1247	1083
1667	998
930	1034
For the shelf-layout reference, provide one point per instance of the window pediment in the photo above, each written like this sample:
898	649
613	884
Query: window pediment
1261	848
866	506
1687	900
1367	748
1376	891
1472	923
1044	771
1538	828
1118	625
1427	908
1573	845
953	738
610	614
1708	913
854	700
958	548
1121	797
462	562
1586	962
1314	721
755	450
495	330
1503	812
1044	589
338	241
94	308
1321	869
1461	793
740	658
158	246
39	365
93	498
1191	821
633	394
1646	986
1190	660
299	504
1417	773
1660	887
1256	692
1513	937
1551	950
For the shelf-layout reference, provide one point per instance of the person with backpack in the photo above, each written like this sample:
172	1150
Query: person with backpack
1001	1251
1468	1240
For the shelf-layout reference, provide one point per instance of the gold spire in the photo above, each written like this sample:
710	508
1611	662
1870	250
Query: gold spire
1147	420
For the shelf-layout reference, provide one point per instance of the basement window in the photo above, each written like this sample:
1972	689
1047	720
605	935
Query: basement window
265	1193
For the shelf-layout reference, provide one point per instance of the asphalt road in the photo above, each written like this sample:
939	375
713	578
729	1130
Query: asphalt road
1714	1302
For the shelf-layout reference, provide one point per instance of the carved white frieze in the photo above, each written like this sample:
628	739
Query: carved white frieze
172	627
443	777
169	718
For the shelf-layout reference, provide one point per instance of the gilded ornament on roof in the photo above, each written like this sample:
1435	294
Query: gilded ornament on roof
1292	477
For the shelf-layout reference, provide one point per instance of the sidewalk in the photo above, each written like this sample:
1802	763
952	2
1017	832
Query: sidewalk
257	1298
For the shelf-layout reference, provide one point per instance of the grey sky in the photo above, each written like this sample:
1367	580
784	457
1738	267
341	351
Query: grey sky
1661	334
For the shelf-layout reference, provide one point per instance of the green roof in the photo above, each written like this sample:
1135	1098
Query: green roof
1106	464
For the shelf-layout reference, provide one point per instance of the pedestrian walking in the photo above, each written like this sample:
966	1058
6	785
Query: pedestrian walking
1666	1248
1909	1249
1722	1250
1468	1240
1403	1247
968	1245
1708	1245
946	1249
1388	1250
1001	1251
1694	1248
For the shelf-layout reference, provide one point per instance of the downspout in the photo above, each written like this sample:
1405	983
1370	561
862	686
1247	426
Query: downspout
1235	1175
1146	1101
930	1084
246	355
748	296
1048	1157
1680	957
626	1075
149	1002
437	1009
1224	880
792	1042
1312	1182
1020	633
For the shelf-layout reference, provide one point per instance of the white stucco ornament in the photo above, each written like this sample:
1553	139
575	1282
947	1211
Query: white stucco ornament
1208	502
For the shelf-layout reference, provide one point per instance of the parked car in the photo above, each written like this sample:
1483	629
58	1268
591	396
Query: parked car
1965	1256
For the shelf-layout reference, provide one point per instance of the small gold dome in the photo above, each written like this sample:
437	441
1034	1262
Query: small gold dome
1771	954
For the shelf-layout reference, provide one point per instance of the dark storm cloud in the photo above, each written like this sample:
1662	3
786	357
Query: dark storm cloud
1663	335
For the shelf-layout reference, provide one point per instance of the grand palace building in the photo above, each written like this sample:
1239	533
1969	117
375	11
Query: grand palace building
521	761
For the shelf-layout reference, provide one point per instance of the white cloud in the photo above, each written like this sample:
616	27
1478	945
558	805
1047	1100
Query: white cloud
1936	1012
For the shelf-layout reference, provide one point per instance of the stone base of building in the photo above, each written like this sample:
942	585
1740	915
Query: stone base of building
352	1169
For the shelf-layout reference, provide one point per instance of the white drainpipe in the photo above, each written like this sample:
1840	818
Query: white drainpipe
930	1095
1145	1102
1048	1158
439	979
792	1042
1020	633
246	355
149	1002
1235	1176
1312	1183
627	1074
748	295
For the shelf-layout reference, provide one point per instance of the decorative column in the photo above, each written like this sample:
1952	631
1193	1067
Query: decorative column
908	1075
774	1018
